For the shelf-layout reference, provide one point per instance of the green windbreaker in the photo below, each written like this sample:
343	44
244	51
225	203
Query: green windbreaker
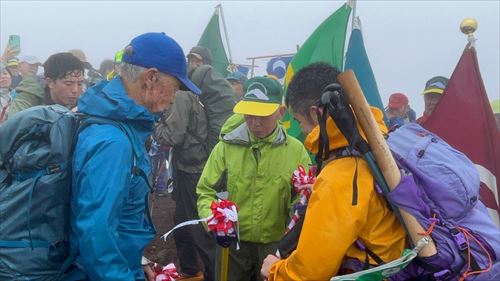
30	92
259	173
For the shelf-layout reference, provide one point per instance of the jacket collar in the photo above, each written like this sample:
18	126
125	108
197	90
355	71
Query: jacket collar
242	136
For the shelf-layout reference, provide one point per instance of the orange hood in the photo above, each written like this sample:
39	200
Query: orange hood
337	140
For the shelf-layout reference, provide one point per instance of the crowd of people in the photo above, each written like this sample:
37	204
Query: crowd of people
223	135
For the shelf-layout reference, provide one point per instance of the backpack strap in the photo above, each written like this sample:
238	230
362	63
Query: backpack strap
343	152
368	253
203	142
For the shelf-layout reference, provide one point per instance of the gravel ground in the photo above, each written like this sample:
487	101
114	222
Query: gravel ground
160	251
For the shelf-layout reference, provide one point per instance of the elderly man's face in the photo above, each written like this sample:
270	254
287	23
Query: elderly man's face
263	126
161	92
431	100
193	62
401	111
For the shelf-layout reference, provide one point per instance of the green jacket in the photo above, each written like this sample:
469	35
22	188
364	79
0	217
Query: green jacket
30	92
259	173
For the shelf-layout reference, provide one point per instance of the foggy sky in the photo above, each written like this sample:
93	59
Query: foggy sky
407	41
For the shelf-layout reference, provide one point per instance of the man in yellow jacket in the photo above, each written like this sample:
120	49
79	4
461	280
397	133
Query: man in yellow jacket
347	224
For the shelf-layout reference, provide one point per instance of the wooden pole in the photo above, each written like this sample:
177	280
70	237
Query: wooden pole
381	152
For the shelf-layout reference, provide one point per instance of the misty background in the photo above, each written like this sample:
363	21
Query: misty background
407	41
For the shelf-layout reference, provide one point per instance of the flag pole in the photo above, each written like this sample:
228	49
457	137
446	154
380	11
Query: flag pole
225	32
354	24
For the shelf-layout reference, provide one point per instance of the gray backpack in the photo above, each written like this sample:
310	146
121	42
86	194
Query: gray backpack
35	183
36	150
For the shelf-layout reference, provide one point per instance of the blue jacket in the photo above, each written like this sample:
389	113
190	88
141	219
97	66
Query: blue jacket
109	223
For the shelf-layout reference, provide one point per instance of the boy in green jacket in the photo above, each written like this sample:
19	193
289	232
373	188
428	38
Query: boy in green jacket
257	158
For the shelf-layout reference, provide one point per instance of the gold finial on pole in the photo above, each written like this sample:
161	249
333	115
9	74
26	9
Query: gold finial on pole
468	26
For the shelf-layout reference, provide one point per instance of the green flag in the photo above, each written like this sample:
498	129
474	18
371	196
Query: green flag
326	44
212	39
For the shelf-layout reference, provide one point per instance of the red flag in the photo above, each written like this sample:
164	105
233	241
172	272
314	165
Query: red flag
465	120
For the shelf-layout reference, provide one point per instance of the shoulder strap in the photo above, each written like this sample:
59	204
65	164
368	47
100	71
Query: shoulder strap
87	120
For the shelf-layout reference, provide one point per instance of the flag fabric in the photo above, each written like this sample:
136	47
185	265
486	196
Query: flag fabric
212	39
242	69
464	118
277	66
325	44
358	61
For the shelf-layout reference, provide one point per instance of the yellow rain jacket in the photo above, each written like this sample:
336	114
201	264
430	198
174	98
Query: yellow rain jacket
334	221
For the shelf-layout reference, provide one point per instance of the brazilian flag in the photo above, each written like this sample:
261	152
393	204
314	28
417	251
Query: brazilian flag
325	44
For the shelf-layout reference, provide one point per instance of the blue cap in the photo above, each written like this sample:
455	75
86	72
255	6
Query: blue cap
156	49
237	76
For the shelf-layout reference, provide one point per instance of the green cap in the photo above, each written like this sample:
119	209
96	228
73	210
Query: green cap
263	96
436	85
118	57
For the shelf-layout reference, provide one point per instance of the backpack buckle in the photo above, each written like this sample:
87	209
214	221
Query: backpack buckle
459	239
54	169
443	274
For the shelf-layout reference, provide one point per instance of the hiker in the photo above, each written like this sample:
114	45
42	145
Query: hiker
434	89
116	65
255	158
345	213
63	85
28	65
92	76
106	67
110	224
217	96
237	80
185	128
14	73
5	90
10	61
198	56
398	111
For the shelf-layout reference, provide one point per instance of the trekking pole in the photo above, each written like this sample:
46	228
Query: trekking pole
381	152
224	263
223	268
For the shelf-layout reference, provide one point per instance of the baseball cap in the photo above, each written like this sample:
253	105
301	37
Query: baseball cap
262	97
201	53
156	49
237	76
13	62
30	60
436	84
398	100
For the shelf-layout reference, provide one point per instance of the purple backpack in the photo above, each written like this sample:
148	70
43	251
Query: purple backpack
441	187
